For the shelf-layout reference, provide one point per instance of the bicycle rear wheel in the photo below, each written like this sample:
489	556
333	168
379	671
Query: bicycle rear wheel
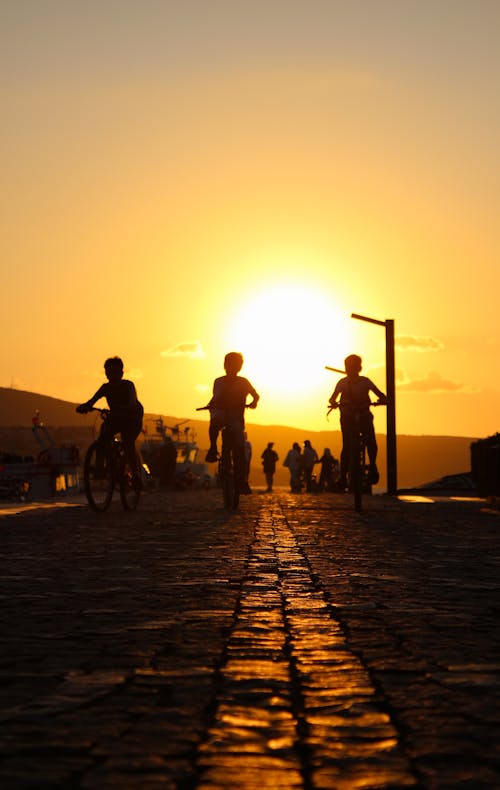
129	492
357	464
230	491
358	492
98	476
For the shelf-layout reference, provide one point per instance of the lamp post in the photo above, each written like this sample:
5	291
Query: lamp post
392	475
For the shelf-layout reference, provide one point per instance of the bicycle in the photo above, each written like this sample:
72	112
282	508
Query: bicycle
107	468
230	469
358	472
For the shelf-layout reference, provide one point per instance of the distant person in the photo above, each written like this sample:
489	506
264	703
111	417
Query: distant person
269	459
293	461
227	409
126	412
309	459
168	462
248	455
329	471
39	427
354	392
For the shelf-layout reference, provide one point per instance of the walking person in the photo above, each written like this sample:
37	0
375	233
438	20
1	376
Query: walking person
329	470
293	462
309	458
269	459
248	457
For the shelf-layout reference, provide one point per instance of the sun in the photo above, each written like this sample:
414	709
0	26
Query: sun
287	333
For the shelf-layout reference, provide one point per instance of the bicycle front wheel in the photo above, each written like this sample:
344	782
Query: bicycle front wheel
358	491
230	491
356	470
129	491
98	476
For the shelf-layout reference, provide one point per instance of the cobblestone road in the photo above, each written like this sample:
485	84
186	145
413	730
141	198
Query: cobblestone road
295	644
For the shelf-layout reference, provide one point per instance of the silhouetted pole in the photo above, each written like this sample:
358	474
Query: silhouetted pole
390	377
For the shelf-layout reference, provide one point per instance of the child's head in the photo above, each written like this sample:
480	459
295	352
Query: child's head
352	364
113	367
233	362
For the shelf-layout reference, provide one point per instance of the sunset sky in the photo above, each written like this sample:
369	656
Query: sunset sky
182	178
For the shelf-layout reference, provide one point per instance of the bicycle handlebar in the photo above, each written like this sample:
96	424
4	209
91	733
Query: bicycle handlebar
207	408
371	403
103	412
355	406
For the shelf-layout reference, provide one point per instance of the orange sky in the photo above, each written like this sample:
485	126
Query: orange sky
184	179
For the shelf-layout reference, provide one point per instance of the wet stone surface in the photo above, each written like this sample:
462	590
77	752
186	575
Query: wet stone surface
295	644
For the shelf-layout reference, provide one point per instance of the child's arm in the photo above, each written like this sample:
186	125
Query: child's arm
250	390
334	396
132	394
87	406
256	397
380	395
217	390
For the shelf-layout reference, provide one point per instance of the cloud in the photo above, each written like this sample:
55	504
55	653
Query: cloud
434	382
191	349
415	343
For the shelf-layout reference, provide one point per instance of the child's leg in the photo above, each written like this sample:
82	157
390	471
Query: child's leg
129	435
372	450
371	447
105	435
213	434
370	440
344	454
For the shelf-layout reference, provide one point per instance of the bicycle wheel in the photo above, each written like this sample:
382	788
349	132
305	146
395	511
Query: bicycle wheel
129	493
230	492
98	476
357	470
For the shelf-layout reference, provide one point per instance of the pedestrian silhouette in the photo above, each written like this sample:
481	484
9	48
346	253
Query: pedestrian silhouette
269	459
329	471
293	462
309	459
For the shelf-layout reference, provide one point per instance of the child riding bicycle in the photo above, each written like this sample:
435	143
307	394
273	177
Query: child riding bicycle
354	392
126	412
227	410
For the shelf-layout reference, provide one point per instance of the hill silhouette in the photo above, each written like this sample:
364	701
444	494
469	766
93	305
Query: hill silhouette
421	459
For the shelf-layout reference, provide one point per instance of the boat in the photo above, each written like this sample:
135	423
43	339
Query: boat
54	471
172	456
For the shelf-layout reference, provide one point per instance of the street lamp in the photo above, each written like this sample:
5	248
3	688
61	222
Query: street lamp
392	475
